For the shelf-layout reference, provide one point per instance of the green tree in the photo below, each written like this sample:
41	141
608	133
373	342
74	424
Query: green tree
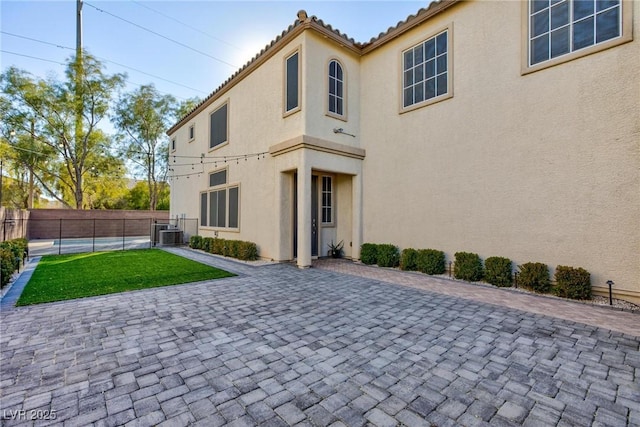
61	119
142	118
186	106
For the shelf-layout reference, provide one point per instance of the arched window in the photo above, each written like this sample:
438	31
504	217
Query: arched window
336	88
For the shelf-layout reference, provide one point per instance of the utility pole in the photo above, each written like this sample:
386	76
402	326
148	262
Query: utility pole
78	27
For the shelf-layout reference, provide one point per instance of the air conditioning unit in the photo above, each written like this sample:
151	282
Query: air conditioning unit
156	228
171	237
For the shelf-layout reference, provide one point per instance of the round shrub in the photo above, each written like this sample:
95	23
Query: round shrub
468	266
369	253
574	283
431	261
535	276
408	259
498	271
388	255
7	261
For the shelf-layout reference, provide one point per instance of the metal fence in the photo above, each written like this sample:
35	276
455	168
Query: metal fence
62	236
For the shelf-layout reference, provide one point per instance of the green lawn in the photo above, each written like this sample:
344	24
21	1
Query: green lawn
64	277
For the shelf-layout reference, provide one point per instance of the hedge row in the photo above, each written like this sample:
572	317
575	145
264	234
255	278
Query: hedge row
570	282
246	251
12	254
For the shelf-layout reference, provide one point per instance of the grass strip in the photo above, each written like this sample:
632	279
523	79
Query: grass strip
65	277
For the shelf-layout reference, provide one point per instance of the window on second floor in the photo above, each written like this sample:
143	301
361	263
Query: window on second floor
192	132
173	144
292	77
426	70
336	89
218	126
559	27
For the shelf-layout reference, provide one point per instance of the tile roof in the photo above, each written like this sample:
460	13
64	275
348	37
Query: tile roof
304	21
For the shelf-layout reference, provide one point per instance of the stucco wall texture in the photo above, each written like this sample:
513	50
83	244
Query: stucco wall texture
537	166
540	167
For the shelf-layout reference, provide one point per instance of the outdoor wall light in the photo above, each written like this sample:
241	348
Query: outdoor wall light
340	130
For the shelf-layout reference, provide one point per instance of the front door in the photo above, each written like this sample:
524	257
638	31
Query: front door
314	215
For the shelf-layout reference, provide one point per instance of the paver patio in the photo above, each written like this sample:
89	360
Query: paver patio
282	346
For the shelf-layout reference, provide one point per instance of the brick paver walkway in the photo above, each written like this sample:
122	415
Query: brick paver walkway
282	346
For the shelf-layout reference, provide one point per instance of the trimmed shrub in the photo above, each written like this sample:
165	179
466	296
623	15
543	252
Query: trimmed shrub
574	283
231	248
468	266
195	242
247	251
430	261
535	276
7	261
369	253
408	259
498	271
388	255
207	244
217	246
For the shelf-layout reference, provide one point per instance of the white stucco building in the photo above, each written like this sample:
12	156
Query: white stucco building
503	128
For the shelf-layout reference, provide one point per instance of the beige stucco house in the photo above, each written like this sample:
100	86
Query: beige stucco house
503	128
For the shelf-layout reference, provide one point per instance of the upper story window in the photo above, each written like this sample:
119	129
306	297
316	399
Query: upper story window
173	144
192	132
336	88
292	83
559	27
426	70
218	126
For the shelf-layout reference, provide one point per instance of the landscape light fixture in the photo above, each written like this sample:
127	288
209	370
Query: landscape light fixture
340	130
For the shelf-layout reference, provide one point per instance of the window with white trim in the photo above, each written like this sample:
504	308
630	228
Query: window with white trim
336	88
173	144
292	90
559	27
327	200
192	132
219	206
218	126
426	70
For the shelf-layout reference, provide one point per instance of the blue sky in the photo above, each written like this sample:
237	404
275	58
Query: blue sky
226	33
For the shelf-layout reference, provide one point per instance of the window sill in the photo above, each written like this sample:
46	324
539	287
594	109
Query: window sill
427	103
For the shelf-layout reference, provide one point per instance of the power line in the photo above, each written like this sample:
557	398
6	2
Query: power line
32	57
162	36
104	60
185	24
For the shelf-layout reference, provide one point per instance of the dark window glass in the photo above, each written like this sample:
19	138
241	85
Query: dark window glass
540	23
408	96
339	107
213	209
218	127
540	49
222	207
539	5
559	15
441	64
203	209
218	178
607	25
418	73
292	82
582	9
418	54
408	78
430	49
191	132
419	92
441	83
408	59
560	42
173	144
233	207
430	88
441	44
583	33
605	4
430	68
